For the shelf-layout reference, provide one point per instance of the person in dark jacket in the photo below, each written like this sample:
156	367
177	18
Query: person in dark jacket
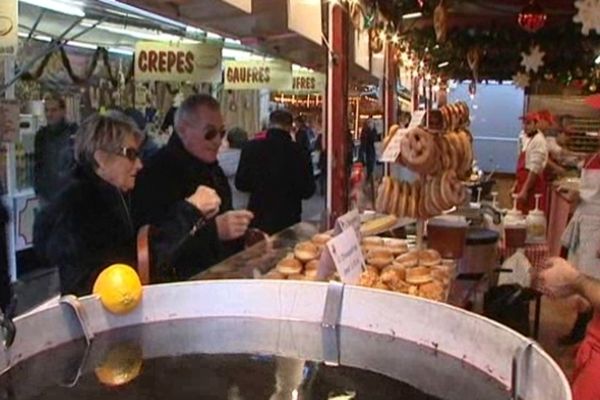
277	173
368	137
189	159
5	284
89	226
53	152
303	134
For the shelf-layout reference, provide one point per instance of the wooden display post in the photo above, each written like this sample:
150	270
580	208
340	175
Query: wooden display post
338	149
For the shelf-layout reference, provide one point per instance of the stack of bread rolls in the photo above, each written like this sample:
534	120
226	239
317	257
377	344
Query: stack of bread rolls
420	199
303	263
419	273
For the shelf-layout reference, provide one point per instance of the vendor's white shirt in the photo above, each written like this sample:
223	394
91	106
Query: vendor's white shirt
536	154
553	147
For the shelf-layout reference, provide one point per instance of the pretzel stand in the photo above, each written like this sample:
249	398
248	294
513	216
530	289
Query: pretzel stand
442	156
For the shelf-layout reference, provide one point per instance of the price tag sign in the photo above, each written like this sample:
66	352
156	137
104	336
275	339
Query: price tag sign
392	150
344	254
417	119
350	220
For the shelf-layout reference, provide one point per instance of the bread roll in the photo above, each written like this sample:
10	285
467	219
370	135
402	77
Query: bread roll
306	251
273	274
372	240
429	258
312	265
321	239
310	274
432	291
289	266
407	260
418	275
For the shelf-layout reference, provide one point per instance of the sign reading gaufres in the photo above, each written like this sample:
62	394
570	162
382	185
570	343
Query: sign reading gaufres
198	62
257	74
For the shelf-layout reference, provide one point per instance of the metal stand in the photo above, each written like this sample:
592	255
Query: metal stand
517	371
330	323
420	233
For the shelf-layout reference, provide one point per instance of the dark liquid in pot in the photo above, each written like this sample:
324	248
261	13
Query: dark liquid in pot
211	359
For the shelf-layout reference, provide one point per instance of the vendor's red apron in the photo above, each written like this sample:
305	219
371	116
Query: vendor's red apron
586	378
540	186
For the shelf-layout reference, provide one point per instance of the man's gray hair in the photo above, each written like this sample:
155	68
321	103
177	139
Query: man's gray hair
103	132
190	105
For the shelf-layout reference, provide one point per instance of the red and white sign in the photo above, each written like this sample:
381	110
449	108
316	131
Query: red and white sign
165	62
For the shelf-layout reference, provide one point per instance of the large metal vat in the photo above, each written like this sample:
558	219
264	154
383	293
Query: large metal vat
311	321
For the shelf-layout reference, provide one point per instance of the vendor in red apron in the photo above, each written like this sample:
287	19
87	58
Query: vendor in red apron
582	235
530	166
561	279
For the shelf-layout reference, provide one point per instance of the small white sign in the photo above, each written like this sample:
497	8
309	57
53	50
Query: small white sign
417	119
344	253
392	151
350	220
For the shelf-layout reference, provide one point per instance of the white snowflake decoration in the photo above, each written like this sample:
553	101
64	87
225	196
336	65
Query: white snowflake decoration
521	79
588	15
534	60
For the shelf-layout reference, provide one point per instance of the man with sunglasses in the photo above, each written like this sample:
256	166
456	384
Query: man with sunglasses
188	160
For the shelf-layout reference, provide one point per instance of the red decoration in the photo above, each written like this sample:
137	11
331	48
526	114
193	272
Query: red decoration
532	17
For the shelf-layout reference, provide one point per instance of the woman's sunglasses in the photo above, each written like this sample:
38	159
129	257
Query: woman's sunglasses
129	153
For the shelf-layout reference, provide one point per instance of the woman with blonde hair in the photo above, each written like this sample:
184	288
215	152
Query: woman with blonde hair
89	225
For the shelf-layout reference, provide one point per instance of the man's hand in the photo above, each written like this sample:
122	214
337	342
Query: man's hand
557	279
233	224
206	200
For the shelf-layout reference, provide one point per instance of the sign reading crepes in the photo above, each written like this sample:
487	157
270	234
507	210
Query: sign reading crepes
9	28
251	75
198	62
308	82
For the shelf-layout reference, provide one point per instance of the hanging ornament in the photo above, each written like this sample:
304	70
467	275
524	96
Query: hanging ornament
532	17
588	15
534	60
357	14
421	3
369	19
440	22
521	79
474	60
593	87
376	41
473	88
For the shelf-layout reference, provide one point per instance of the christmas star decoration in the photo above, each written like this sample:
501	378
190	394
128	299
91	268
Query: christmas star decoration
588	15
521	79
534	60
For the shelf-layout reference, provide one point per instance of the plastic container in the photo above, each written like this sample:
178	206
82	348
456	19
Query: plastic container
536	224
447	235
515	227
